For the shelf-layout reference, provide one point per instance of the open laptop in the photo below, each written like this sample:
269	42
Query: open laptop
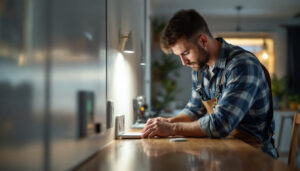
120	130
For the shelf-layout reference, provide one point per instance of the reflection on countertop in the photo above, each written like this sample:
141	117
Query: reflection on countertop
194	154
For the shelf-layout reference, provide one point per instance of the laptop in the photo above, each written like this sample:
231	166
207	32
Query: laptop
120	127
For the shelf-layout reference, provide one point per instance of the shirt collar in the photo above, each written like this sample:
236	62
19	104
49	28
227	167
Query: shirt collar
223	54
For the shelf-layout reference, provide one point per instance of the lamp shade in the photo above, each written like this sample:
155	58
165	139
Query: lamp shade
128	47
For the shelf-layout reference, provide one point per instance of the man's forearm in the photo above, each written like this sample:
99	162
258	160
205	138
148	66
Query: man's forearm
190	129
180	118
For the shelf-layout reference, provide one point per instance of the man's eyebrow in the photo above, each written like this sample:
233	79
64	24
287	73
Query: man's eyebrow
184	52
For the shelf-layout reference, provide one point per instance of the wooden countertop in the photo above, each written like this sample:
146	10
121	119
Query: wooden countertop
194	154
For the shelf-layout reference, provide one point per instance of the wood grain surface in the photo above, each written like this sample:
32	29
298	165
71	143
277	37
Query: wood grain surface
194	154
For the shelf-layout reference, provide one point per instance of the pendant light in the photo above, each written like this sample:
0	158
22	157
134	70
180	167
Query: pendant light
238	9
264	52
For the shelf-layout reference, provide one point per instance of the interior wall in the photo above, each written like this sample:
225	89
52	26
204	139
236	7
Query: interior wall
124	72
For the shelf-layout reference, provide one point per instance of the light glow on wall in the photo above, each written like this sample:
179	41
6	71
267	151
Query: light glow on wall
122	85
258	47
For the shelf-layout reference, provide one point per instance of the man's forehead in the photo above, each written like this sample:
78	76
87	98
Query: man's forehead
180	46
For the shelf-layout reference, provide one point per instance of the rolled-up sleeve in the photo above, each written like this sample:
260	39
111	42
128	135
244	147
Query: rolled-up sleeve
239	91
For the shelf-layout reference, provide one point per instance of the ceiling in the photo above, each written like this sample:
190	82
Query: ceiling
282	9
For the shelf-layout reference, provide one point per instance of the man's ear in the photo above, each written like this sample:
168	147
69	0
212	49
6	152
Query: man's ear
203	41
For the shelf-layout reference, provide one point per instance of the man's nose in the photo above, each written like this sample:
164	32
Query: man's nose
183	60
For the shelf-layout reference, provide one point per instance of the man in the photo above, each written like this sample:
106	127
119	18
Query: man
230	93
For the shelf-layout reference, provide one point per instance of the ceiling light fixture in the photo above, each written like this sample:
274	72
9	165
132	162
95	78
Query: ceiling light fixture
238	26
264	52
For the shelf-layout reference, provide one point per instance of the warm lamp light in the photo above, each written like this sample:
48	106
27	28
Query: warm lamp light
265	55
264	52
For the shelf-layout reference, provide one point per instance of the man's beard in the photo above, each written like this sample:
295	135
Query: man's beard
202	58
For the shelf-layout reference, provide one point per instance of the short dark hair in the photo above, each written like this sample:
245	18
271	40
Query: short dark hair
184	23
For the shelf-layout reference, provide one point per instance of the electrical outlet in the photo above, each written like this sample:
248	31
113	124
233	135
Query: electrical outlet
109	114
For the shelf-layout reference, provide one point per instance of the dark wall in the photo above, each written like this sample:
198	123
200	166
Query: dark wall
294	58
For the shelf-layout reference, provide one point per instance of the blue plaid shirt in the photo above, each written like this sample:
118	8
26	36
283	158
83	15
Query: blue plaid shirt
244	99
